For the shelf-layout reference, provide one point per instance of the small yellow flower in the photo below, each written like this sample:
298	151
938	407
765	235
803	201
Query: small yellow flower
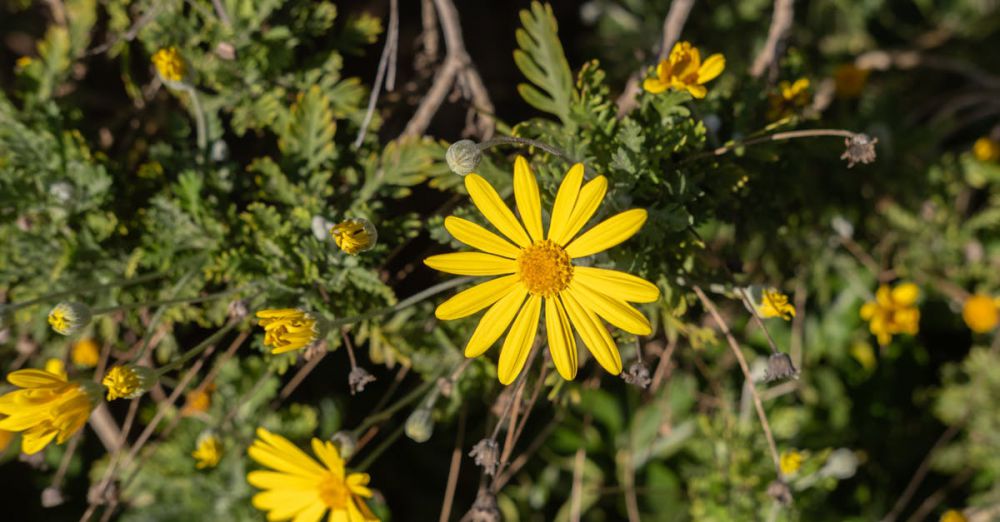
128	381
302	488
198	401
169	64
980	313
775	304
288	329
208	452
56	366
953	515
893	312
849	80
355	235
684	70
539	273
68	318
85	353
791	461
986	149
23	62
865	355
46	407
789	99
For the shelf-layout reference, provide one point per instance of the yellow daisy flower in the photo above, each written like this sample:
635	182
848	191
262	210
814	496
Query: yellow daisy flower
953	515
85	353
684	70
198	401
355	235
980	313
46	407
128	381
208	452
299	487
893	311
537	272
288	329
986	149
775	304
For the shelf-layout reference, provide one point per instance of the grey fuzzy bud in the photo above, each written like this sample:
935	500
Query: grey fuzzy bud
358	379
52	497
463	157
638	375
345	442
779	367
420	425
487	455
860	149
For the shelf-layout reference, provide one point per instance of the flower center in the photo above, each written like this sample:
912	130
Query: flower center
544	268
333	492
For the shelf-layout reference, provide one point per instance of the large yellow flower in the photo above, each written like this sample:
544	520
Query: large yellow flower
684	70
893	311
537	272
46	407
302	488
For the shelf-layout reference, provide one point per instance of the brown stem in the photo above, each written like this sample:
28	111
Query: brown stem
456	465
778	136
920	473
781	23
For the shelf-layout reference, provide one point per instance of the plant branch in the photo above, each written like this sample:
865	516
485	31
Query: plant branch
781	23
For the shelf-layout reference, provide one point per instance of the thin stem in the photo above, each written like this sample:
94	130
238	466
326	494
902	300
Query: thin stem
82	289
167	302
453	469
405	303
199	116
377	452
514	140
151	327
778	136
753	312
921	473
387	413
758	405
193	352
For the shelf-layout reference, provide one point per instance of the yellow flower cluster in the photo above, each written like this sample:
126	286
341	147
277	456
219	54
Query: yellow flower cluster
683	70
790	462
169	64
288	329
789	99
893	312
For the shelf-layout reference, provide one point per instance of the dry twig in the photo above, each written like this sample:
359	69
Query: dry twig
781	23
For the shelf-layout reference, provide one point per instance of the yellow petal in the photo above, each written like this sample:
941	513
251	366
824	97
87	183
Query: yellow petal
278	480
32	378
34	441
562	342
614	311
472	300
905	294
624	286
517	345
529	203
495	210
329	456
313	513
697	91
607	233
479	238
712	68
654	85
595	336
586	204
562	208
471	263
495	322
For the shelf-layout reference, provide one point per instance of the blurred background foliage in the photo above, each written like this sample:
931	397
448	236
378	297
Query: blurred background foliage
229	178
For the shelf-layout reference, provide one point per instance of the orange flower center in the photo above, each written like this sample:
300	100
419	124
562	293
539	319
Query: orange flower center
544	268
333	492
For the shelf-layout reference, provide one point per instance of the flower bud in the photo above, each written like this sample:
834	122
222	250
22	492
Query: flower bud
169	65
420	424
463	157
128	381
779	367
345	443
69	318
355	235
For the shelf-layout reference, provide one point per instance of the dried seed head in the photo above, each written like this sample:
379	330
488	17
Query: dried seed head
358	379
487	455
463	157
484	509
860	149
638	375
52	497
780	491
237	309
780	367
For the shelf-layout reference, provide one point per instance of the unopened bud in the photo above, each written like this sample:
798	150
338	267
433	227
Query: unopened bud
463	157
69	318
128	381
420	424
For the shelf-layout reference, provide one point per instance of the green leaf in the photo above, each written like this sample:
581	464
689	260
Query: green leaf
543	62
308	135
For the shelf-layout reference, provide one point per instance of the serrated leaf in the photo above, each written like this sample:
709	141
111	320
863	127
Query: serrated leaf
308	135
542	61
